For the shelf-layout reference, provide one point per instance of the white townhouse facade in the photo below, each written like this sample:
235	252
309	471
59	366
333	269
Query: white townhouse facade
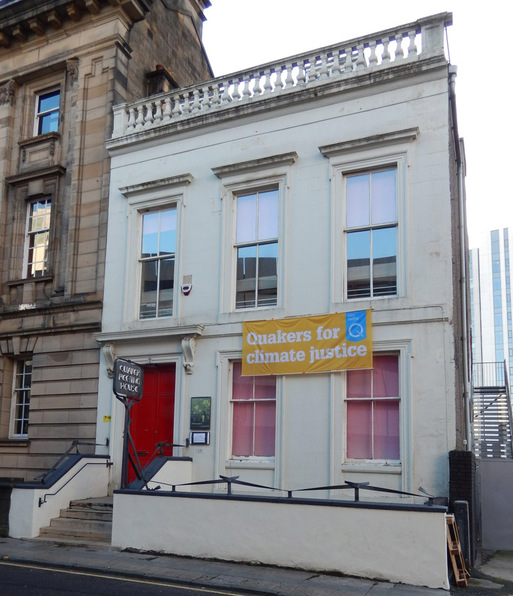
326	183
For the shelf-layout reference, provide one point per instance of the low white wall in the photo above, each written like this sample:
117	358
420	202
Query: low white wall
26	517
396	545
172	473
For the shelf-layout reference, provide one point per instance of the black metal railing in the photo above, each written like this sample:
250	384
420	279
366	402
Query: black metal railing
492	413
356	487
489	374
43	499
73	449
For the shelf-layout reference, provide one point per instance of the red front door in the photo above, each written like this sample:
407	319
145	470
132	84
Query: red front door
153	416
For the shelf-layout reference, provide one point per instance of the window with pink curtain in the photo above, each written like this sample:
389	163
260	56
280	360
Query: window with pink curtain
373	410
254	414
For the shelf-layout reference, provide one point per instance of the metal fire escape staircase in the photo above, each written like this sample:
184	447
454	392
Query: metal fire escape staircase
492	414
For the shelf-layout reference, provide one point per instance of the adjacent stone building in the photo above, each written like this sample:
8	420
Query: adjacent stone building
64	64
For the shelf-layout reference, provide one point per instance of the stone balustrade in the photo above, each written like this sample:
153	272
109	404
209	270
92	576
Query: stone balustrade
422	39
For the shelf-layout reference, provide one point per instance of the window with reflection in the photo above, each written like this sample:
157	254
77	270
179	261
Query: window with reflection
157	261
253	414
39	219
371	234
373	410
47	112
257	249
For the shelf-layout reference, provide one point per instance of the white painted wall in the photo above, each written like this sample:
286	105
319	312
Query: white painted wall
417	323
172	473
366	118
27	516
397	546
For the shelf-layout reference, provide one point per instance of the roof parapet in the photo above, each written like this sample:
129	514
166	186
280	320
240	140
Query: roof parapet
420	40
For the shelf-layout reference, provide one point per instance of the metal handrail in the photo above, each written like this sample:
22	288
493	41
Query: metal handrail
74	445
508	400
42	500
491	379
489	374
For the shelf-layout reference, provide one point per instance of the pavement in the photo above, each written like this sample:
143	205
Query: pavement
493	577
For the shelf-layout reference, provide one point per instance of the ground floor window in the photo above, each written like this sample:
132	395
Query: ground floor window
21	397
253	414
373	410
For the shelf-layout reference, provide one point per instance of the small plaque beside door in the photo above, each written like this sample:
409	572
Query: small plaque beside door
199	438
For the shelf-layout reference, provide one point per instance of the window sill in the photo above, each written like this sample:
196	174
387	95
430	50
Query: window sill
373	467
15	442
251	464
40	138
26	280
237	316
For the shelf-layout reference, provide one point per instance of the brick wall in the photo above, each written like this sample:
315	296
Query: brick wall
463	487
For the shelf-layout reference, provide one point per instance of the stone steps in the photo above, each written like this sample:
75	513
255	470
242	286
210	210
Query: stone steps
84	521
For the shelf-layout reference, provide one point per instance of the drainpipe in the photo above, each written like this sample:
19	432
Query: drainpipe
458	144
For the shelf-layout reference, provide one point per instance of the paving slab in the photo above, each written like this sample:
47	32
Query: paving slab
500	566
247	578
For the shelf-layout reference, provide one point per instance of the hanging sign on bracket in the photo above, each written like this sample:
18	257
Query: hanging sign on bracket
128	379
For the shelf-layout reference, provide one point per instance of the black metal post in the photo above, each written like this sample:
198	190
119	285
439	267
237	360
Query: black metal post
126	443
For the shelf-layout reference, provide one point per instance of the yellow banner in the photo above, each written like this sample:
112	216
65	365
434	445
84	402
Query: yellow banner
307	344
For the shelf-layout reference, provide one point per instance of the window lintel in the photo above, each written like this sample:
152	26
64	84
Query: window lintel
153	185
253	165
407	135
53	171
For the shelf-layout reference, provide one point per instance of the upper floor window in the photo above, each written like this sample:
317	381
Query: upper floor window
371	233
21	397
47	112
157	259
257	249
39	216
373	410
253	414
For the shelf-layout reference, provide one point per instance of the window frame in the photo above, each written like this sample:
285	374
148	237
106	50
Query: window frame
39	114
16	390
141	198
158	259
373	400
224	461
274	171
229	259
373	229
257	243
254	401
369	153
403	348
30	234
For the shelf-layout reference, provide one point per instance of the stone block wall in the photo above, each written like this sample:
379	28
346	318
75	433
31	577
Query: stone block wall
97	60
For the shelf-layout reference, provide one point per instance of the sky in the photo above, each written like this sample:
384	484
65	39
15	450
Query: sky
240	34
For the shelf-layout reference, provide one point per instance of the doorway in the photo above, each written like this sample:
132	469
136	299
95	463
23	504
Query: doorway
153	416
